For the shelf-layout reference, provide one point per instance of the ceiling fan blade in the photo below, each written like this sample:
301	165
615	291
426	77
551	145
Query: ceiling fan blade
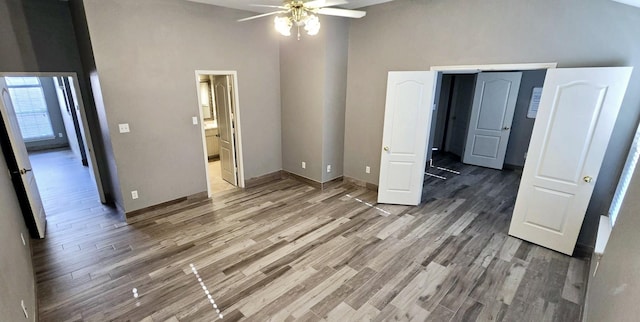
267	6
342	12
324	3
260	16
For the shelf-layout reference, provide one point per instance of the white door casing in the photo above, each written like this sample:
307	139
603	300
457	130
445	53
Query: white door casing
576	116
494	103
405	138
22	159
224	106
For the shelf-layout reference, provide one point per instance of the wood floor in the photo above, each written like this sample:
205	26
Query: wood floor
285	251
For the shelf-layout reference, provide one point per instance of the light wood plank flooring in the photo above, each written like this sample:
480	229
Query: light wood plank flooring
285	251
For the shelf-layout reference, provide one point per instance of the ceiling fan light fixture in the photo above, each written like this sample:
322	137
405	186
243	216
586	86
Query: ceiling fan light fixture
312	25
283	25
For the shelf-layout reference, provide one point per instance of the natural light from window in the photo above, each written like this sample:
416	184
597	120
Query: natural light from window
30	107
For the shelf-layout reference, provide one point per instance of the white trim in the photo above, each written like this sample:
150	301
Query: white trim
604	231
471	69
635	3
87	139
236	112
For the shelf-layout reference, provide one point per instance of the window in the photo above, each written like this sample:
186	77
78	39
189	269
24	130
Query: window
30	107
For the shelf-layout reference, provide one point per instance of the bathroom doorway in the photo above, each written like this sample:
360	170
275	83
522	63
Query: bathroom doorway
220	119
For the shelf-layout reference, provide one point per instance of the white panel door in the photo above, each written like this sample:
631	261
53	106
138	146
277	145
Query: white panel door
224	106
22	159
491	116
407	120
577	112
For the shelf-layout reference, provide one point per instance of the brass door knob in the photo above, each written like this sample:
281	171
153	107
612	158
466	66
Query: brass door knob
386	148
587	179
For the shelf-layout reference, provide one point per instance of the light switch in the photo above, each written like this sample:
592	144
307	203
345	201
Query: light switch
194	120
124	128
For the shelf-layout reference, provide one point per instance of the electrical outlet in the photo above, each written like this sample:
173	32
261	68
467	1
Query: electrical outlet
367	169
24	309
304	165
329	168
61	135
194	120
24	242
124	128
134	194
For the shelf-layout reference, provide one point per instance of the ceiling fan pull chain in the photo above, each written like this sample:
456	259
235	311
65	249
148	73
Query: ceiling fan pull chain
298	32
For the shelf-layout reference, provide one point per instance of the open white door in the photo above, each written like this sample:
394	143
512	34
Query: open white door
577	112
22	159
494	102
224	105
407	121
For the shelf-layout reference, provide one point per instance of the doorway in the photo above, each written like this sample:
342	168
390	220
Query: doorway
572	130
483	118
47	146
220	119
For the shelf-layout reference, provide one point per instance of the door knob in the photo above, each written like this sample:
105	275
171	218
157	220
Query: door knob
506	128
587	179
386	148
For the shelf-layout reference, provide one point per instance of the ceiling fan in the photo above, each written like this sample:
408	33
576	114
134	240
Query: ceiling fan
304	14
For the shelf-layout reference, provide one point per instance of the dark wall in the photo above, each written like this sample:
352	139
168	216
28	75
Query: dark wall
522	127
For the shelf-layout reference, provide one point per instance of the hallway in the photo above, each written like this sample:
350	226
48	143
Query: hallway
64	184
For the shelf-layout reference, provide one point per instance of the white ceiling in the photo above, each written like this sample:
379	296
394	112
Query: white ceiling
245	4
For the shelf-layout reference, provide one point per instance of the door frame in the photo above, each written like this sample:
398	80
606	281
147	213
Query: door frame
476	69
473	69
237	124
98	178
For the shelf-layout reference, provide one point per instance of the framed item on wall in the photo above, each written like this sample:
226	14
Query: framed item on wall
535	101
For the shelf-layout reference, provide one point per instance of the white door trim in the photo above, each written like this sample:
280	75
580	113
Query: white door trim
236	112
87	140
471	69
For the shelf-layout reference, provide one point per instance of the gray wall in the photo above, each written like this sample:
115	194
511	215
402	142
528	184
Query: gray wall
302	74
313	74
414	35
336	31
16	271
57	123
17	51
146	53
614	292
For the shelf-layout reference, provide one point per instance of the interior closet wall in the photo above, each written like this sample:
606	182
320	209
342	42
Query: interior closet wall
522	127
458	114
454	108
